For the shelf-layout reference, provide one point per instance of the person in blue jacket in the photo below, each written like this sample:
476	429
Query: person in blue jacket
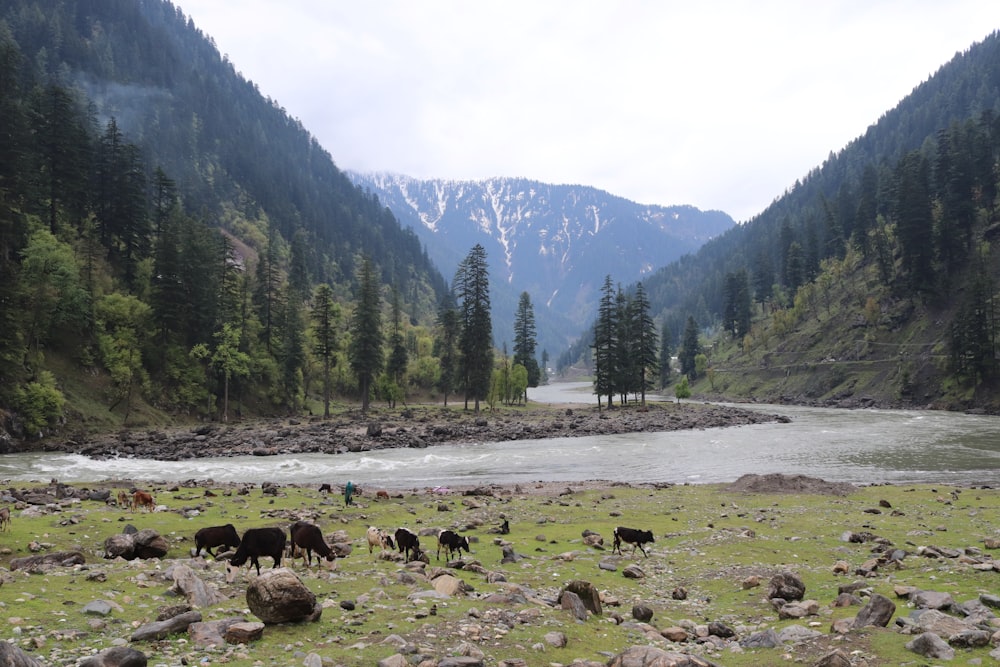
348	492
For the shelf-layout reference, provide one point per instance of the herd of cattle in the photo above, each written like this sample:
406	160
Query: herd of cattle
305	538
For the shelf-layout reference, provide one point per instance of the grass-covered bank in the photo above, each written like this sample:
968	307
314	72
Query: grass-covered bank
710	539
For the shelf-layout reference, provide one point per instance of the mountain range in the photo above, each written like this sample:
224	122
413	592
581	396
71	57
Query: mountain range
555	242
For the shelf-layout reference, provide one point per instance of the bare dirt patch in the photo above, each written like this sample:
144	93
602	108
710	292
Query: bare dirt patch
780	483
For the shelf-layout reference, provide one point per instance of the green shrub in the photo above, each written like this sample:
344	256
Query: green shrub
39	403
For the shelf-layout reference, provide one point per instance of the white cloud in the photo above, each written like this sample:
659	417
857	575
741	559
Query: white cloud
719	105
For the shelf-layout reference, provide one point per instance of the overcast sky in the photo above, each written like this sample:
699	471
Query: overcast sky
720	105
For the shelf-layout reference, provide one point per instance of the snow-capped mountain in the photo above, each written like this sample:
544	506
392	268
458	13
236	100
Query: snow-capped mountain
557	242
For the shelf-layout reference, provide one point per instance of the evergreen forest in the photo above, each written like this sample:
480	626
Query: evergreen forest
871	280
175	247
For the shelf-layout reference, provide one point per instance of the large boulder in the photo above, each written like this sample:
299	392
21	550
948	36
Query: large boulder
878	612
587	593
146	543
279	596
786	586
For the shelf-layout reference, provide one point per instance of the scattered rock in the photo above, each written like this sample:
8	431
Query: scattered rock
930	645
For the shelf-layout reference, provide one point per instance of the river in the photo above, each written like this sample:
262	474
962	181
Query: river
857	446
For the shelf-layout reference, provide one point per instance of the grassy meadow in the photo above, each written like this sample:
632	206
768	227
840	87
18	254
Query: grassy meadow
709	540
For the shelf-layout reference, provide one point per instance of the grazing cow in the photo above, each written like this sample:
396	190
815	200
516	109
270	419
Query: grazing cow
216	536
452	542
309	538
4	518
259	542
408	544
381	495
123	499
632	536
325	488
379	538
143	499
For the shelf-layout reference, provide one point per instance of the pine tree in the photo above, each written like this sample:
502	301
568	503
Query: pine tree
644	343
476	338
666	352
449	324
525	341
398	354
366	332
325	315
690	349
605	342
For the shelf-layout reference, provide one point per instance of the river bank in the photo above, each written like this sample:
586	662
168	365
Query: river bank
414	427
703	592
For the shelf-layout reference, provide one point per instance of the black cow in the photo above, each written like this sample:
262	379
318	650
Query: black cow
216	536
632	536
259	542
452	542
309	538
408	543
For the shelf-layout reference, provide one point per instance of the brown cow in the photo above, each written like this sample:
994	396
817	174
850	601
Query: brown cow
123	499
143	499
4	518
381	495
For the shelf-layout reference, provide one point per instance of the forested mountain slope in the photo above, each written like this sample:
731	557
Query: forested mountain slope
153	202
875	276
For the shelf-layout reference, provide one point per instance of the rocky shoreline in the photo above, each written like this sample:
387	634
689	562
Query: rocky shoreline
415	427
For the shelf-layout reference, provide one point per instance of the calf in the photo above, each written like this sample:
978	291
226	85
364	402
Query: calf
632	536
381	495
452	542
408	544
4	518
309	538
259	542
143	499
216	536
379	538
123	499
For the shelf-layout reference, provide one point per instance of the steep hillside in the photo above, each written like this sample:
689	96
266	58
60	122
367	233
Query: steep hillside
557	242
876	274
164	227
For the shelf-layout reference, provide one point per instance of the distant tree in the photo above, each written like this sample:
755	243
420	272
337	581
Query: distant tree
666	353
476	339
226	358
644	343
122	325
737	304
525	340
914	220
325	317
366	333
795	267
682	389
398	354
268	288
763	279
449	327
605	341
690	348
